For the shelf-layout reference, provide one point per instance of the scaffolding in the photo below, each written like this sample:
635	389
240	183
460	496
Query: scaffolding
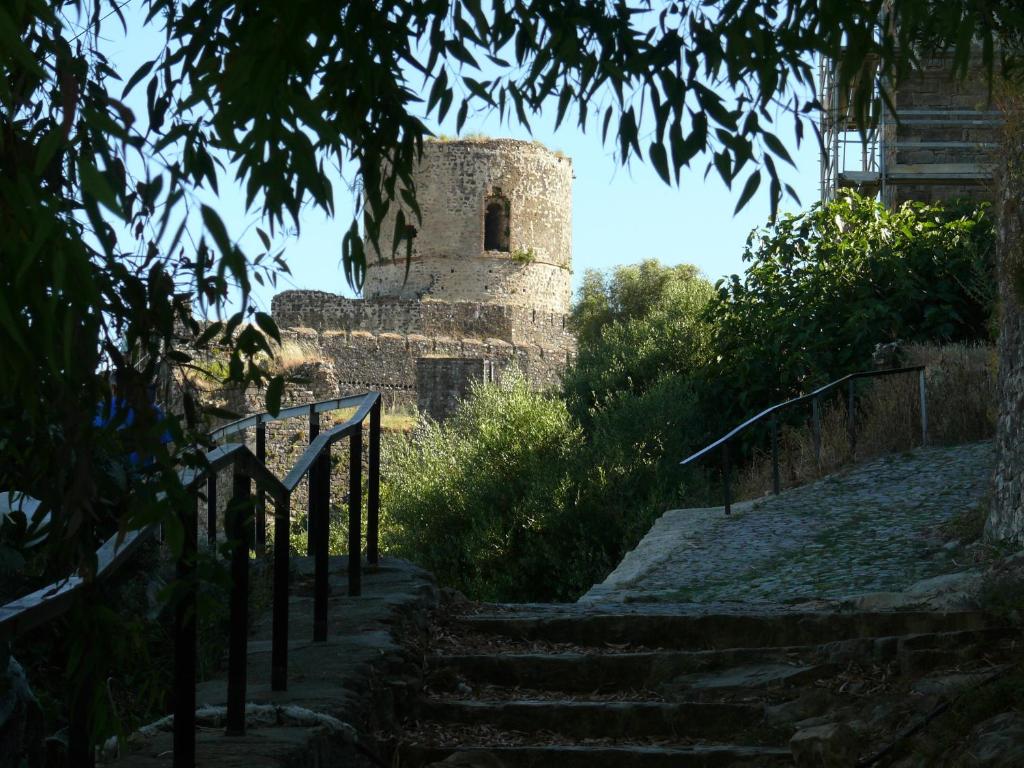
941	146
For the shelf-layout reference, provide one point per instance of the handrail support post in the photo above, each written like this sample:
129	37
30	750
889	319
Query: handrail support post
319	526
355	511
373	487
923	394
185	640
314	431
239	513
776	480
261	496
816	429
279	632
726	479
851	416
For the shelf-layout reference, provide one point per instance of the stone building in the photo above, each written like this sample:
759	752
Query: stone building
488	284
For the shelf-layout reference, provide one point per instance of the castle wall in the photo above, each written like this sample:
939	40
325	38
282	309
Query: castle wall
517	325
946	135
445	381
484	279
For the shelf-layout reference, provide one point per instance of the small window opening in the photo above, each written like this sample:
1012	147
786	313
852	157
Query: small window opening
496	217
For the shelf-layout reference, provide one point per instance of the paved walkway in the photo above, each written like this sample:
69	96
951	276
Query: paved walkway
873	528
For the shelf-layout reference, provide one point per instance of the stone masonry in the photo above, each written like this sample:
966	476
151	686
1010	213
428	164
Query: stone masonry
489	280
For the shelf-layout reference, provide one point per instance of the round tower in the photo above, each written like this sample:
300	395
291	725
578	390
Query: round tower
495	228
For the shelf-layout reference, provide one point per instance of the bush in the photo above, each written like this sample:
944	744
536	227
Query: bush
824	287
473	499
638	324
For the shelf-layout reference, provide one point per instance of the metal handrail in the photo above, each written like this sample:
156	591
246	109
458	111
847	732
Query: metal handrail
52	601
813	398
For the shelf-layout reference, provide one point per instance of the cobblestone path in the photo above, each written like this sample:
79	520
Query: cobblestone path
873	528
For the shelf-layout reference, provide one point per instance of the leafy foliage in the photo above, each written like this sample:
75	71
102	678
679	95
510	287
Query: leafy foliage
824	287
476	500
634	326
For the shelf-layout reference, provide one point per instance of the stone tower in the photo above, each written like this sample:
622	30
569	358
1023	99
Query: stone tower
496	228
488	285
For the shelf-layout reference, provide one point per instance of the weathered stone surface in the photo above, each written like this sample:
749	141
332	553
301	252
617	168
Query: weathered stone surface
471	759
997	743
834	745
331	706
870	529
457	297
1006	518
21	720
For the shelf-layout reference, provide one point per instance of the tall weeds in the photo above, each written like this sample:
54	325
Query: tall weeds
960	382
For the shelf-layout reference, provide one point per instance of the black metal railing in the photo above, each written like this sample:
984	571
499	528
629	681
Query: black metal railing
815	400
244	528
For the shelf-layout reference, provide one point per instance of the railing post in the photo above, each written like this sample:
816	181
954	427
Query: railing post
320	527
851	417
211	509
355	512
185	640
776	480
314	431
816	429
373	487
238	518
726	479
261	497
279	632
81	750
924	407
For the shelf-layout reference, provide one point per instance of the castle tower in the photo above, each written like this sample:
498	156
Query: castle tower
495	228
488	285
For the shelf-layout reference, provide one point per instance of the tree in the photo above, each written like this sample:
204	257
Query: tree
824	287
107	242
635	326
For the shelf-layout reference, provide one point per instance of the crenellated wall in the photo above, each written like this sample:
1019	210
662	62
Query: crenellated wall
517	325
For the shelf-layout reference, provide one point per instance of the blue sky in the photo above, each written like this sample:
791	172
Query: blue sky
621	214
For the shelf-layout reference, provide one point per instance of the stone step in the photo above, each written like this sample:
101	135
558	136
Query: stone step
714	631
629	720
619	756
576	672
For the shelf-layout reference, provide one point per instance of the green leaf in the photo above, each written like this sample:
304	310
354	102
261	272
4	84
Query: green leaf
753	182
659	158
140	73
95	185
266	324
274	392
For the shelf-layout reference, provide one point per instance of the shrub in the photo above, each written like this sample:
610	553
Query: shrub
473	499
824	287
634	326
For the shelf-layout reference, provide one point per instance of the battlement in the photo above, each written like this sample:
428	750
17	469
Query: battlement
466	319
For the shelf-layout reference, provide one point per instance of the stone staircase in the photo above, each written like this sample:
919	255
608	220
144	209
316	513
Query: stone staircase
651	686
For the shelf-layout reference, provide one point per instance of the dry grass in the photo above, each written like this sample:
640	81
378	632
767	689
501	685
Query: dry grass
292	354
961	404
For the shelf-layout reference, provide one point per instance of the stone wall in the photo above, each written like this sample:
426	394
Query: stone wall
521	325
1006	517
486	278
454	180
445	381
945	125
